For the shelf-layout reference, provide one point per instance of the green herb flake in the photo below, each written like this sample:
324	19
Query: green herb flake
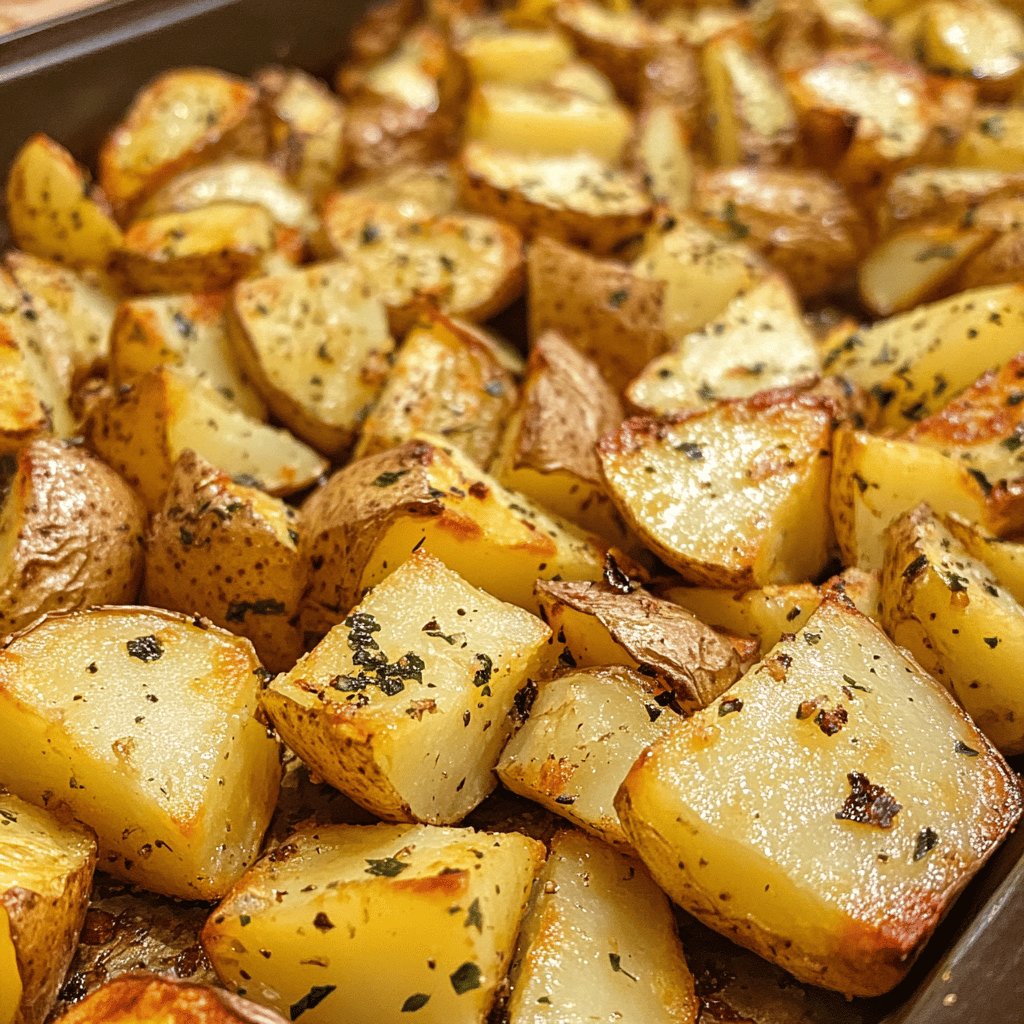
466	978
962	748
386	867
936	252
145	648
415	1002
854	685
244	920
474	917
390	477
313	998
926	840
616	961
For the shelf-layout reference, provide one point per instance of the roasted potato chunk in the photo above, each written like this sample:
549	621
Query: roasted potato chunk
599	941
230	553
664	155
495	52
585	730
735	495
839	861
316	342
1005	560
442	904
72	531
46	868
145	727
414	190
52	210
408	718
143	428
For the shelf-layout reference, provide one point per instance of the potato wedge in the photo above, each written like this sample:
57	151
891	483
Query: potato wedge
913	363
143	428
759	341
187	332
945	194
162	755
447	379
404	706
316	342
52	210
738	495
613	315
230	553
443	905
46	868
496	52
599	941
72	532
993	140
663	154
608	623
576	199
182	118
1005	560
469	266
373	514
839	861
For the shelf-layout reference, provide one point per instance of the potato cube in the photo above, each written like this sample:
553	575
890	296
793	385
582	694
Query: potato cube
144	725
521	56
827	810
404	706
365	924
46	868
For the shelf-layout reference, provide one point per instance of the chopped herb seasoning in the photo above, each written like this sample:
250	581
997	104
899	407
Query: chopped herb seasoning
983	481
962	748
522	702
728	707
387	867
991	641
812	638
322	923
956	583
614	576
926	840
616	961
390	477
474	917
868	804
617	298
244	920
793	613
238	610
145	648
187	537
466	978
313	998
854	685
692	451
567	658
415	1002
831	722
916	567
483	674
495	388
736	227
936	252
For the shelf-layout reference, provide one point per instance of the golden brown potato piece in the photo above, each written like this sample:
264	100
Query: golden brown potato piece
52	210
993	140
494	51
72	531
230	553
610	313
382	134
182	118
46	867
796	31
415	190
800	221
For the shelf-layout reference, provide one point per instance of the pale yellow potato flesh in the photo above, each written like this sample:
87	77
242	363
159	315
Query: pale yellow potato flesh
521	56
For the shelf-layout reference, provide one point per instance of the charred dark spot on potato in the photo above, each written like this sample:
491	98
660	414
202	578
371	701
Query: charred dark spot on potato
868	804
926	840
145	648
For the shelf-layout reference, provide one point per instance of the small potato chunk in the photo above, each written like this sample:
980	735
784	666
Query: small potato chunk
143	428
230	553
834	860
599	943
663	153
373	514
71	530
759	341
144	723
366	923
577	199
469	266
993	140
46	868
736	495
913	363
52	211
447	379
605	624
202	250
800	221
316	342
145	999
188	332
494	52
404	706
182	118
585	731
613	315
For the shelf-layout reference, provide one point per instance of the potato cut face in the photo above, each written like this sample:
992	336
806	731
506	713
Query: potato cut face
992	140
1005	560
759	341
584	732
949	610
520	56
733	496
414	190
358	897
408	717
46	869
921	193
839	860
33	401
599	943
148	733
913	363
317	342
663	151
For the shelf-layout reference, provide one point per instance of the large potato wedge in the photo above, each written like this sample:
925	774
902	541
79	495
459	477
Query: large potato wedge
316	342
735	495
145	727
143	428
442	906
53	212
71	530
182	118
230	553
599	941
46	868
838	861
405	705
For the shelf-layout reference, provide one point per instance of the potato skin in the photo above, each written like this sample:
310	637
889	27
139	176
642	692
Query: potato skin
77	532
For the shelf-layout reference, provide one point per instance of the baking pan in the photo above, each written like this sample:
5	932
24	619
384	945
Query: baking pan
72	78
